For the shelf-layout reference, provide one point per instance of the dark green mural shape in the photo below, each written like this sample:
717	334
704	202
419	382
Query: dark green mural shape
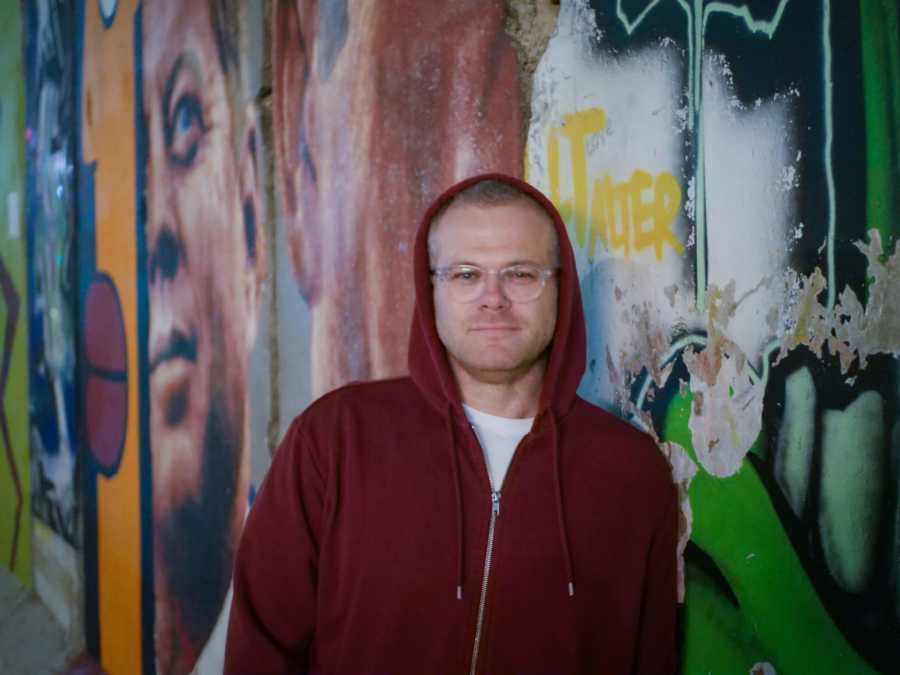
778	611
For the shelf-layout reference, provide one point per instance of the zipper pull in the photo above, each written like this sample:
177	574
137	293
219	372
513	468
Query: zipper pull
495	503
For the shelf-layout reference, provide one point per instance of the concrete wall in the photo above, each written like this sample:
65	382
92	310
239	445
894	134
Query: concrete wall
220	202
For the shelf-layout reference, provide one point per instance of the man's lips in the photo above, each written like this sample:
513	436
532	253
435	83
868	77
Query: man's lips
494	328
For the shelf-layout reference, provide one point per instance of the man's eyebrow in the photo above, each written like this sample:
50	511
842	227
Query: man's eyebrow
512	263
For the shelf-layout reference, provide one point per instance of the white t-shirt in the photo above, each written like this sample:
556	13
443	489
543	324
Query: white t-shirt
499	437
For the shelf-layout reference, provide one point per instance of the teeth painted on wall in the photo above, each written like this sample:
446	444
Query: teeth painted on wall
796	439
853	464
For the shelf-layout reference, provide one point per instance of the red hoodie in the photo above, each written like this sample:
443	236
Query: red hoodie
367	549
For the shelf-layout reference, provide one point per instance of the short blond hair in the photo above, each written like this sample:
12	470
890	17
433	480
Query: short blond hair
488	193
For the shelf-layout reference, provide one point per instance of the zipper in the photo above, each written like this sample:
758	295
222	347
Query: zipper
488	553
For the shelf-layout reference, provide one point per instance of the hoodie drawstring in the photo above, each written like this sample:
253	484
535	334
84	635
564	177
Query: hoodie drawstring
561	521
459	506
563	535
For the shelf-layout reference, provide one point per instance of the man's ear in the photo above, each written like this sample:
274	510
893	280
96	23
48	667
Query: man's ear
293	39
253	219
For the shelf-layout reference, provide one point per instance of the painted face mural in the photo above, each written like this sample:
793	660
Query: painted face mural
708	158
378	107
205	265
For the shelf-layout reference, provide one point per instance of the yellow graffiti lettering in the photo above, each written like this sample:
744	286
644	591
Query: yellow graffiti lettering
563	206
666	204
576	128
635	214
631	215
599	217
642	210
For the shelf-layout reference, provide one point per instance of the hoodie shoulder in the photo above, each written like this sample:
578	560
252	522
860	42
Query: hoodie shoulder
632	451
396	397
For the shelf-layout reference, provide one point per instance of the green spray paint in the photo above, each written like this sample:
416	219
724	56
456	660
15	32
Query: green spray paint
737	526
881	86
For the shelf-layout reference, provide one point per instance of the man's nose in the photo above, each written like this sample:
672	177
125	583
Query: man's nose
493	295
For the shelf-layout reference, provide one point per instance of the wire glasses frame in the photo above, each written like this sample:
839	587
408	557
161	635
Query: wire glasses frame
519	283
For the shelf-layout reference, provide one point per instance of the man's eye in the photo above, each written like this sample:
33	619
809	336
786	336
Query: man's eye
522	275
188	127
465	275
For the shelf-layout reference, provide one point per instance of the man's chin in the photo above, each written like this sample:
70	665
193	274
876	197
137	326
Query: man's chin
496	371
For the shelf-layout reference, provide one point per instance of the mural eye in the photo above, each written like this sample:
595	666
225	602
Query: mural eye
188	128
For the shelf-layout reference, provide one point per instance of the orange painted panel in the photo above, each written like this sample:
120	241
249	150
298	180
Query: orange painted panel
108	133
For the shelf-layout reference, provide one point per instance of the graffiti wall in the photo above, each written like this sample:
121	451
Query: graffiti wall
50	214
148	255
729	174
15	489
220	201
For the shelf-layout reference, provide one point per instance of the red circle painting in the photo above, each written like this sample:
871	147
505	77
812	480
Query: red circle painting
105	374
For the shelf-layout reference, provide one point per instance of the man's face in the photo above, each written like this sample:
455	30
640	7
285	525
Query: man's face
493	338
202	255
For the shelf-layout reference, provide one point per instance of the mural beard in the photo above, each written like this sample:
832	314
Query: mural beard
196	543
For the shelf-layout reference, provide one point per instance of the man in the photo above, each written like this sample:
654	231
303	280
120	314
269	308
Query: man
205	255
389	536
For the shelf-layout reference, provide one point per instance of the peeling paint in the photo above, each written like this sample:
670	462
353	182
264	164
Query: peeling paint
724	429
802	319
852	331
875	328
650	348
727	416
763	668
683	471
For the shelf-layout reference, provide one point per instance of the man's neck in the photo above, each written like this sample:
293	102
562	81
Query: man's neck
514	395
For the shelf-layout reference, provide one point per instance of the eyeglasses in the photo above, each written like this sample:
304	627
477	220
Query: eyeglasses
519	283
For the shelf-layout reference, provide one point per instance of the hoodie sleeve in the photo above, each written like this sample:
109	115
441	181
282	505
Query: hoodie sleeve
657	653
274	606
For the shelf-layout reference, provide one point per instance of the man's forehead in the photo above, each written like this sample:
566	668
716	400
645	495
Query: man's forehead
469	229
456	209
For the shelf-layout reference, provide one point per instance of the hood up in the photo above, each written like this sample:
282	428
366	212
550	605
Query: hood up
430	368
428	363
